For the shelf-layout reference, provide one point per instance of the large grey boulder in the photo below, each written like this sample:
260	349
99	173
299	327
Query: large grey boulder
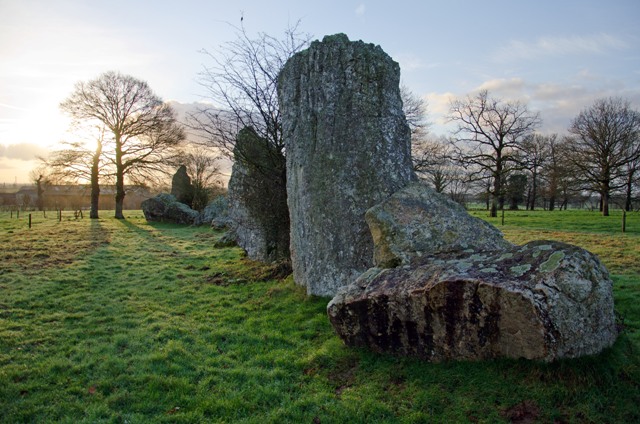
348	147
417	220
166	208
544	300
215	214
257	198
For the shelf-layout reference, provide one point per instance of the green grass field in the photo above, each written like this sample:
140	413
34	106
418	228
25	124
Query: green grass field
128	322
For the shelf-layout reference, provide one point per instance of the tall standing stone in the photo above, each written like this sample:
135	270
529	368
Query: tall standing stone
348	147
257	199
181	186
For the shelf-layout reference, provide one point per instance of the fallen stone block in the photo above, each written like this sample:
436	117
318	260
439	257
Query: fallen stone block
165	208
543	301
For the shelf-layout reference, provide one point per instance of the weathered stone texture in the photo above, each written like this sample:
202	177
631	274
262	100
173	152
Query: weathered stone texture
417	220
257	197
215	214
181	186
544	301
348	148
166	208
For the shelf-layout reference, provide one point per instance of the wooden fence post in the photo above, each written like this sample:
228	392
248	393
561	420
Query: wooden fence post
503	216
29	220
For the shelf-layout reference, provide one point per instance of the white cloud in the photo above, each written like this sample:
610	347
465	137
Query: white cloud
15	170
505	89
557	103
22	151
559	46
4	105
437	110
361	9
412	62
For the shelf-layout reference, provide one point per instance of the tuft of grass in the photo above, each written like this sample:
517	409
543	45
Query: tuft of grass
126	321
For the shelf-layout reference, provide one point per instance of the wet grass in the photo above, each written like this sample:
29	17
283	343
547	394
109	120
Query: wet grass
125	321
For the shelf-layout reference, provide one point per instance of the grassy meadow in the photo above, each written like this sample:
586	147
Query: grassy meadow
108	321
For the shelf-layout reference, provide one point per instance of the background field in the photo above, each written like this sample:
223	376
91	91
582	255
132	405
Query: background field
124	321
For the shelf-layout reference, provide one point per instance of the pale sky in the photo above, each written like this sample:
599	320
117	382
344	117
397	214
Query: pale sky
556	55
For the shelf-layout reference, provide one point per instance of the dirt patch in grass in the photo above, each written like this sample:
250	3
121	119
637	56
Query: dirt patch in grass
245	270
526	412
343	375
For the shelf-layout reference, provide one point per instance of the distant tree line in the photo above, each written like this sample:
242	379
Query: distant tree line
496	155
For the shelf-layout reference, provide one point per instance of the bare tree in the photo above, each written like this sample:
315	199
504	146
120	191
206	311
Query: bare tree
555	173
241	86
202	167
604	142
515	187
41	178
630	182
144	129
415	112
432	161
79	163
535	153
489	132
426	152
431	155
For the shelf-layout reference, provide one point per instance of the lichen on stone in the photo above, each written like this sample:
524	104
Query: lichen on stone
519	270
552	263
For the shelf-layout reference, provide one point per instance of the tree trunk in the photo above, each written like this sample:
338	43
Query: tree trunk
553	191
95	197
40	192
119	180
495	198
629	192
534	190
487	196
605	206
119	194
95	184
601	203
604	200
